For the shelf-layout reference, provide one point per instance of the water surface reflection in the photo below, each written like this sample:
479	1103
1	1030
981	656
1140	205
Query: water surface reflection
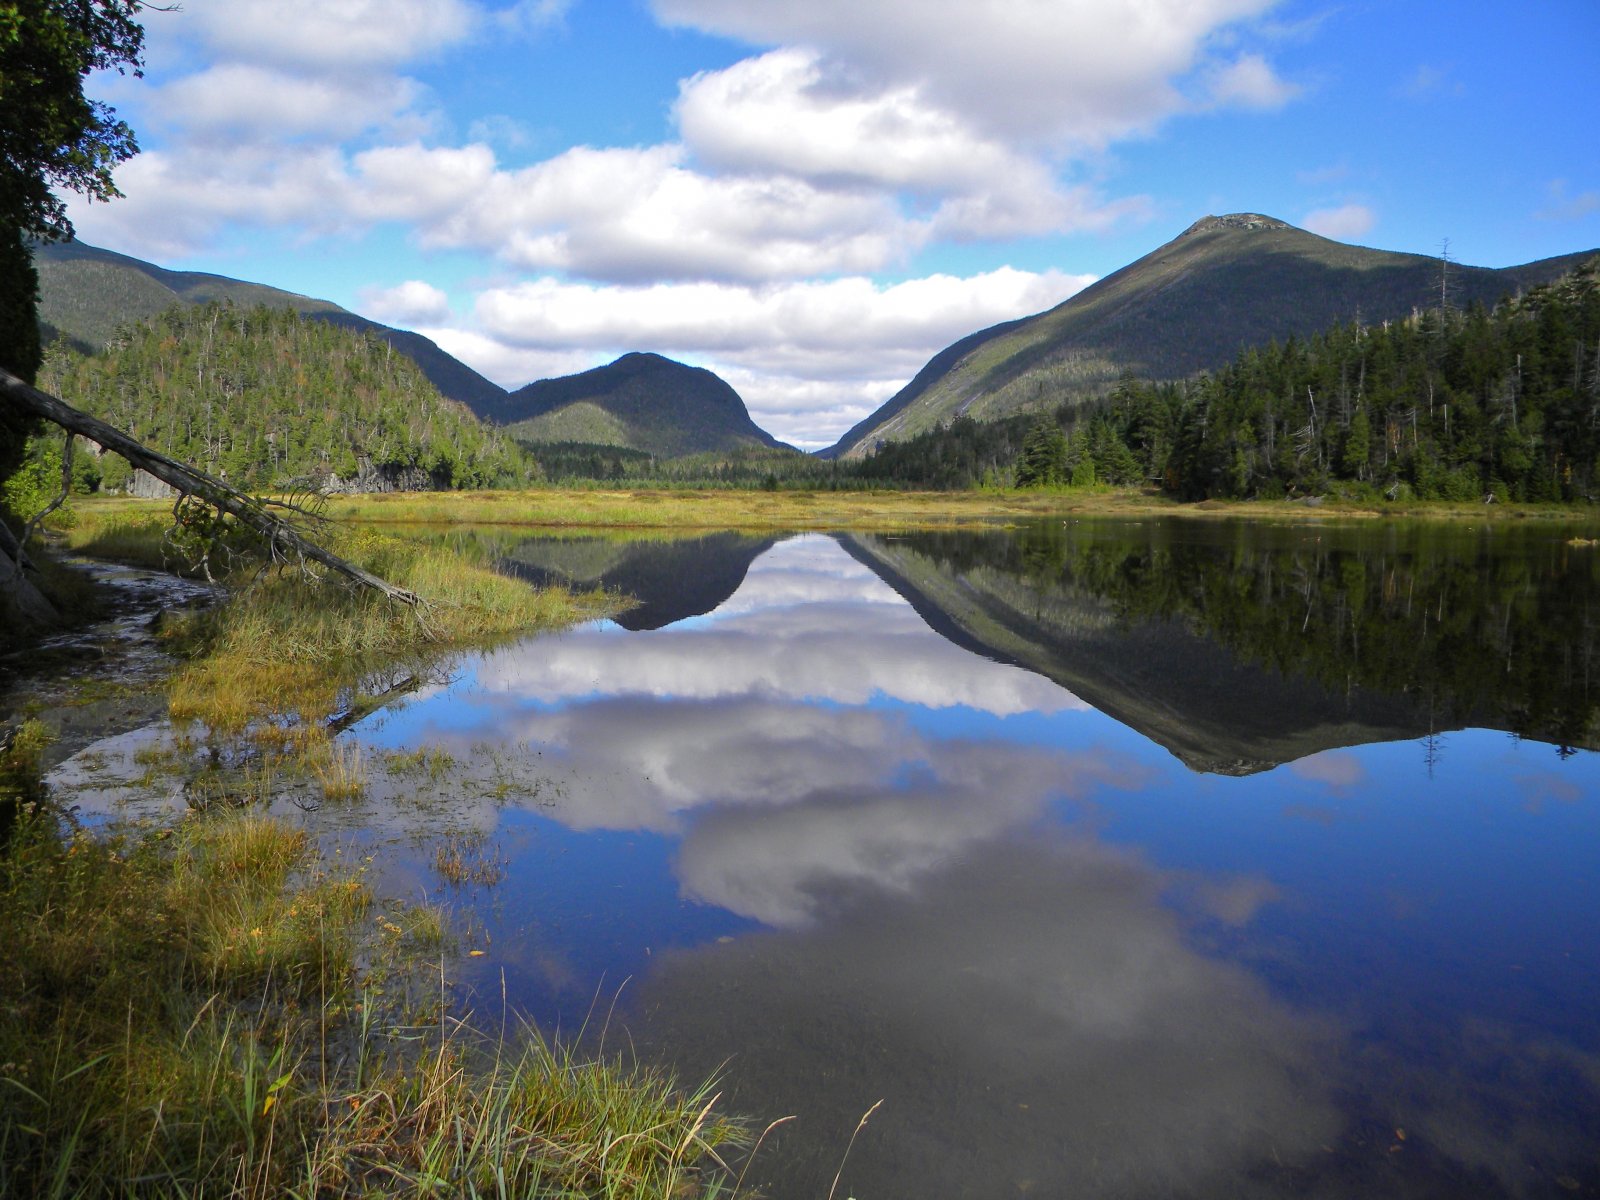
847	833
1120	860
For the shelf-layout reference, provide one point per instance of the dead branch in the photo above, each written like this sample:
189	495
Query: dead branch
283	541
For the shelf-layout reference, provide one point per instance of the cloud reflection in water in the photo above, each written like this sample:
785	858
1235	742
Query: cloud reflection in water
1034	1019
1021	996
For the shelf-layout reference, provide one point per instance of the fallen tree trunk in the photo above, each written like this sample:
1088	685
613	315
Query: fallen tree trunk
284	542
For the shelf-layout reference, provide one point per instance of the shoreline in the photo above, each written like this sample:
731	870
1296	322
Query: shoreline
658	508
252	1017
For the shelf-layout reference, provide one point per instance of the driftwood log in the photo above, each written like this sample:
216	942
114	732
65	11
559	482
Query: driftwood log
284	542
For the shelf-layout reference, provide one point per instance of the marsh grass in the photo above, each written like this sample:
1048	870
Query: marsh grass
151	984
183	1015
661	509
200	1011
125	531
289	650
21	760
341	770
432	762
465	858
879	511
475	1118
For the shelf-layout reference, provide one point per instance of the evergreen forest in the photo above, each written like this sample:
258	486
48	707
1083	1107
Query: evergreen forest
1447	404
269	399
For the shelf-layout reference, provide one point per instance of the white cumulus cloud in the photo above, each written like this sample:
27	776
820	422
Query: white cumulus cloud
783	112
645	214
780	112
1249	82
814	319
242	99
1341	223
332	34
414	302
177	202
1077	72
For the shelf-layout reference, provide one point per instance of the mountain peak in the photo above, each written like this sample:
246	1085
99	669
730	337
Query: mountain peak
644	358
1240	279
642	401
1234	221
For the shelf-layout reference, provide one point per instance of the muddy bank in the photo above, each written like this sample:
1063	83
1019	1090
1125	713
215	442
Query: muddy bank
107	676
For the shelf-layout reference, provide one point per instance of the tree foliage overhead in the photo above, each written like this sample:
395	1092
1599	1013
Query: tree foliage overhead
52	137
266	398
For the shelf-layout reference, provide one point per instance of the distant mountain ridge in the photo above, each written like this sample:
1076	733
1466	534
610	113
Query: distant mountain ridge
641	401
86	293
1225	283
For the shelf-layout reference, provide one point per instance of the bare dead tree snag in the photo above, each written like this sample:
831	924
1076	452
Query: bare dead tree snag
265	517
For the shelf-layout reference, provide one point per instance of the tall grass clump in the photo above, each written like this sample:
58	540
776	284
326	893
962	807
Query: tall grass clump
464	858
528	1119
162	1000
341	770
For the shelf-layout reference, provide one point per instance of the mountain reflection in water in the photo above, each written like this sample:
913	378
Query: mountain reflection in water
1118	861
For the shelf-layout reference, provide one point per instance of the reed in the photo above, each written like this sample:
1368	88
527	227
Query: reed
341	770
528	1118
464	858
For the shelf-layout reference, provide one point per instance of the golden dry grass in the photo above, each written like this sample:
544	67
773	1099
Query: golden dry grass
701	510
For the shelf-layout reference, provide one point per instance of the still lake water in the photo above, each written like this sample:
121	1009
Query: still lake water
1116	859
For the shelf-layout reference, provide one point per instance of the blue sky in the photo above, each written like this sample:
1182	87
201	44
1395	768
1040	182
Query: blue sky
814	198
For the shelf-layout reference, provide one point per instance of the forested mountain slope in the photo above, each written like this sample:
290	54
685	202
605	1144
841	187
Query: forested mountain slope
269	398
1224	284
1445	404
86	293
641	401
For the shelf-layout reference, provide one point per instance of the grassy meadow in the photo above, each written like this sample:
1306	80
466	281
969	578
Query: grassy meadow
880	511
